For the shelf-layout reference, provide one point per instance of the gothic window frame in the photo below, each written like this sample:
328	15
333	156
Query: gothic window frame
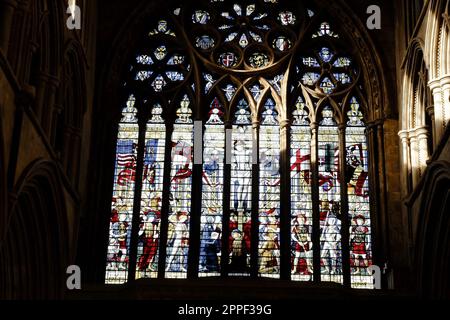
233	77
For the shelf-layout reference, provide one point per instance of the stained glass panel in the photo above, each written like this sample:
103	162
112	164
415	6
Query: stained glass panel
229	91
326	55
228	59
204	42
282	43
269	193
151	198
357	170
330	199
327	86
180	192
301	201
287	18
241	192
201	17
258	60
325	30
212	192
123	196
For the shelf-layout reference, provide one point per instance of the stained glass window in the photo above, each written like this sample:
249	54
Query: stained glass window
151	199
180	192
212	194
265	127
329	198
241	191
357	170
118	254
269	190
301	201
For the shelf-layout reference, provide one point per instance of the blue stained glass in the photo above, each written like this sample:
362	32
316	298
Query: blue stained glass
326	55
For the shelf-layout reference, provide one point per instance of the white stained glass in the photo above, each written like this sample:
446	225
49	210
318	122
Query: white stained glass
180	193
212	192
330	199
301	196
118	252
151	197
269	193
241	192
358	199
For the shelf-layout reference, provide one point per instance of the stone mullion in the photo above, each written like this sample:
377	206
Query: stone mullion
254	256
224	261
165	203
315	200
345	230
285	201
135	224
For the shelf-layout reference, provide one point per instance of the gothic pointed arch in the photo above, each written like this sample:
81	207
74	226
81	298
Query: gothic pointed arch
240	63
38	235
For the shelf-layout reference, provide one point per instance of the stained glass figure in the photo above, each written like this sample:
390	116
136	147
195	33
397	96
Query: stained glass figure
357	169
159	83
256	91
329	199
327	85
151	197
282	43
212	192
229	91
325	30
201	17
238	9
231	37
210	81
342	62
250	9
143	75
301	198
255	36
122	207
228	59
310	62
269	193
180	193
342	78
204	42
176	60
287	18
241	192
175	75
160	52
144	59
258	60
310	78
162	28
243	41
276	82
326	55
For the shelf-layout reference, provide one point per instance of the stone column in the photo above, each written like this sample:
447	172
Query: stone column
445	87
440	89
422	135
7	8
405	160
